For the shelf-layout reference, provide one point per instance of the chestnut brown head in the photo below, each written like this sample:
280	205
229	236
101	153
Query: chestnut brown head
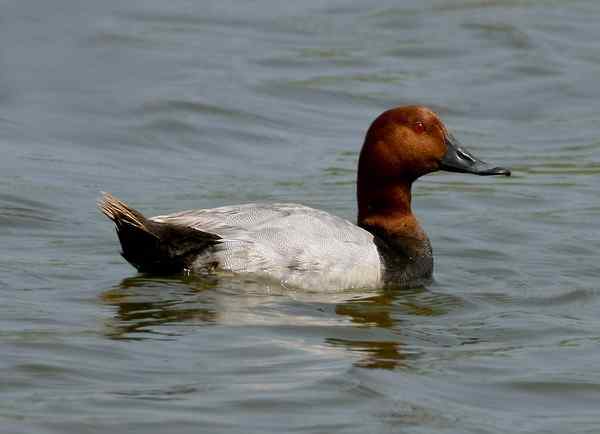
401	145
407	142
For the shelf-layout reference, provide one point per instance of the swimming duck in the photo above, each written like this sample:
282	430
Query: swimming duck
305	247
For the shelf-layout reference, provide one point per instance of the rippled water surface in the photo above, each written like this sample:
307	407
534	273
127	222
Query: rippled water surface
181	104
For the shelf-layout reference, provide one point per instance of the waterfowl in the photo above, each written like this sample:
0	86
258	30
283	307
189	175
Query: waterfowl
305	247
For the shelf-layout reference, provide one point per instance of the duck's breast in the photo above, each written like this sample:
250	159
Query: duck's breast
298	245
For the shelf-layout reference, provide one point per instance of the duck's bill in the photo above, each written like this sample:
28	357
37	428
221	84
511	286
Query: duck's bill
458	159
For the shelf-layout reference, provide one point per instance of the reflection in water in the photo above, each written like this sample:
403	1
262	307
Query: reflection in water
373	311
387	311
144	304
380	322
376	354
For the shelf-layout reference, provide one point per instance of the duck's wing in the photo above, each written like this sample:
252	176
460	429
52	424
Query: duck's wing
254	216
297	244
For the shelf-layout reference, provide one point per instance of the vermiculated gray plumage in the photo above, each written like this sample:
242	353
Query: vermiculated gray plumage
295	244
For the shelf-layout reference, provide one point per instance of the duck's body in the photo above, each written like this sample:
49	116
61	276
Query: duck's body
294	244
308	248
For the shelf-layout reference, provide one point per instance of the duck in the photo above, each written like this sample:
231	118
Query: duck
302	247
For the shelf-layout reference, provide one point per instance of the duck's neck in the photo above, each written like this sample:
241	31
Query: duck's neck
385	211
388	207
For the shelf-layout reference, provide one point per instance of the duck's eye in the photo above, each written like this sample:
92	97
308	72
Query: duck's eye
418	127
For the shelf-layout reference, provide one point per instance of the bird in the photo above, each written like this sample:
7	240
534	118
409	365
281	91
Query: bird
302	247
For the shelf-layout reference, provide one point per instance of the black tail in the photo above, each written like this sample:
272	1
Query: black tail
154	247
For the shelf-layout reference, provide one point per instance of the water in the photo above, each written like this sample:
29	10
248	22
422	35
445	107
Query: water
177	105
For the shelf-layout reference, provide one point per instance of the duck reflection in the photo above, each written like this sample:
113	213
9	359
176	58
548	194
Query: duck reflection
382	328
382	316
143	305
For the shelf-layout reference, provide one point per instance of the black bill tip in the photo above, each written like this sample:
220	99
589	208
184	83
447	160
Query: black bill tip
458	159
494	171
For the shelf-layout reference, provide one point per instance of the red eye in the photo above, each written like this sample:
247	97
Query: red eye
418	127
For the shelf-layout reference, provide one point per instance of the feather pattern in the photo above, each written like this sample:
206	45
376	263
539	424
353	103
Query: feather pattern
298	245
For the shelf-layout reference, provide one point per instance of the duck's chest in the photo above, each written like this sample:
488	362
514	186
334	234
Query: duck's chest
405	262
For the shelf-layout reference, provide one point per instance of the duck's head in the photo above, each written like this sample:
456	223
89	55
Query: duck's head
408	142
403	144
